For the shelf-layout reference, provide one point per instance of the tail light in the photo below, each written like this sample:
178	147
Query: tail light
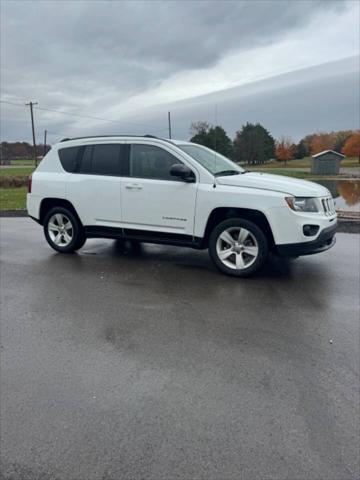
29	183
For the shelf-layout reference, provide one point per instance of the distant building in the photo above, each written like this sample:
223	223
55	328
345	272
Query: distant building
326	163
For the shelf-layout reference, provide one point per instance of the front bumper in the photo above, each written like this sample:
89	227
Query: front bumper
323	242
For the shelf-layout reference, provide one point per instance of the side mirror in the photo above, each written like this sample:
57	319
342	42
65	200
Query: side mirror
182	171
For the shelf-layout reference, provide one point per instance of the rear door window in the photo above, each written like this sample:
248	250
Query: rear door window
106	160
103	159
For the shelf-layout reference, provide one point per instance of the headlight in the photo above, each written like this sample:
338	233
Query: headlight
302	204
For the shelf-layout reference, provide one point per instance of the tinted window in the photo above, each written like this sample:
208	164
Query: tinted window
104	159
147	161
86	160
68	158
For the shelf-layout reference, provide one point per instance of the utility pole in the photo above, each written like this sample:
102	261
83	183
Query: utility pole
44	152
33	128
169	120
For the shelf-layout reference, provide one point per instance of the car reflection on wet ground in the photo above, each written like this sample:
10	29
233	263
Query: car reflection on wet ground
142	361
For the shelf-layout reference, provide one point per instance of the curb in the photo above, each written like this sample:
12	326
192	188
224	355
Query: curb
345	224
348	226
13	213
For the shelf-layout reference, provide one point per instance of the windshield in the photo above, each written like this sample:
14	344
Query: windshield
214	162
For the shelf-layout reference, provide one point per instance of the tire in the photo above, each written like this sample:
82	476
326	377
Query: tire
244	247
63	230
80	243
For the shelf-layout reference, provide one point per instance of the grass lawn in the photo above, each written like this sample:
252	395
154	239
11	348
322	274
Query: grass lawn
13	198
15	171
279	171
22	162
297	174
306	163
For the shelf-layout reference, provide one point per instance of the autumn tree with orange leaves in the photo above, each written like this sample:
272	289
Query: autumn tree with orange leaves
285	149
352	146
321	142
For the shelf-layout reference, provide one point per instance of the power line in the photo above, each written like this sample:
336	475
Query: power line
12	103
49	132
85	116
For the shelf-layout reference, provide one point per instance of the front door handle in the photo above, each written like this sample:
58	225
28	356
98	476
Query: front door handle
133	186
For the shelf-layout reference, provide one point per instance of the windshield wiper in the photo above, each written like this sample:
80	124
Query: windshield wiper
227	172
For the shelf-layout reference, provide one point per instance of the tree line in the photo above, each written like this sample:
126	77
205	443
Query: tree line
254	144
20	150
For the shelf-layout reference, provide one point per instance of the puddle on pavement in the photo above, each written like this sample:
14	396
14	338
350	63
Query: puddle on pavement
345	192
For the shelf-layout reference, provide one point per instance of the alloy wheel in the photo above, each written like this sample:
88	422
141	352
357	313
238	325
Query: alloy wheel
237	248
60	230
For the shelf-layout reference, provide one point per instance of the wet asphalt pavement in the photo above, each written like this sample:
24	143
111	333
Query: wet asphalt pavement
144	362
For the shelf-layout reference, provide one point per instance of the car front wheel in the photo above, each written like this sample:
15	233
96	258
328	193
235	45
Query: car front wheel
63	231
238	247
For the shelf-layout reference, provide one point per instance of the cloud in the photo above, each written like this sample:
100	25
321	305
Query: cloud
97	57
321	98
130	46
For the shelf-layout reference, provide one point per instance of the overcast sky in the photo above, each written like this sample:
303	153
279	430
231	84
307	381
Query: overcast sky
130	61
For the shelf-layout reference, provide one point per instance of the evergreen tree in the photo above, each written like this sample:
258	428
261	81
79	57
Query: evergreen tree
253	144
212	137
301	150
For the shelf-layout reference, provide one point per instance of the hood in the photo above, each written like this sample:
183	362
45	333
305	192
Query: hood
277	183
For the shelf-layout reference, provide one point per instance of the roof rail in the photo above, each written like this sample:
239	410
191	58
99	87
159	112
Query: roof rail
111	136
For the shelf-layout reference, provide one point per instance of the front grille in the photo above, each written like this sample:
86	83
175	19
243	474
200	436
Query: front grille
328	205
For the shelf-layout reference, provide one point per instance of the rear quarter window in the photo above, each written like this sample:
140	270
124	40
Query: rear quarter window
68	158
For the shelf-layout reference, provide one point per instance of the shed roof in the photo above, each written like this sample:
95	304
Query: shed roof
320	154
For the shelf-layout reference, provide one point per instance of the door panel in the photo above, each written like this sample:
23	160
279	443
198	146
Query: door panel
96	198
158	205
95	186
151	198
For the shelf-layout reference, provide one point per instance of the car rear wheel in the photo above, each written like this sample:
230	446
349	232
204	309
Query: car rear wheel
63	231
238	247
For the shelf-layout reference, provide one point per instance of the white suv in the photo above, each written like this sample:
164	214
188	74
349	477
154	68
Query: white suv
177	193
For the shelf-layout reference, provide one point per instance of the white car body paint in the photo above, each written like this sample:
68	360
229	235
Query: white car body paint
167	206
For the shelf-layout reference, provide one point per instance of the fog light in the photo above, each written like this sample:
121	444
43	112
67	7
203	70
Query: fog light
310	230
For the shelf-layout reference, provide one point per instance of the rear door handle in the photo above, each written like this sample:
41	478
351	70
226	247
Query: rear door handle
133	186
